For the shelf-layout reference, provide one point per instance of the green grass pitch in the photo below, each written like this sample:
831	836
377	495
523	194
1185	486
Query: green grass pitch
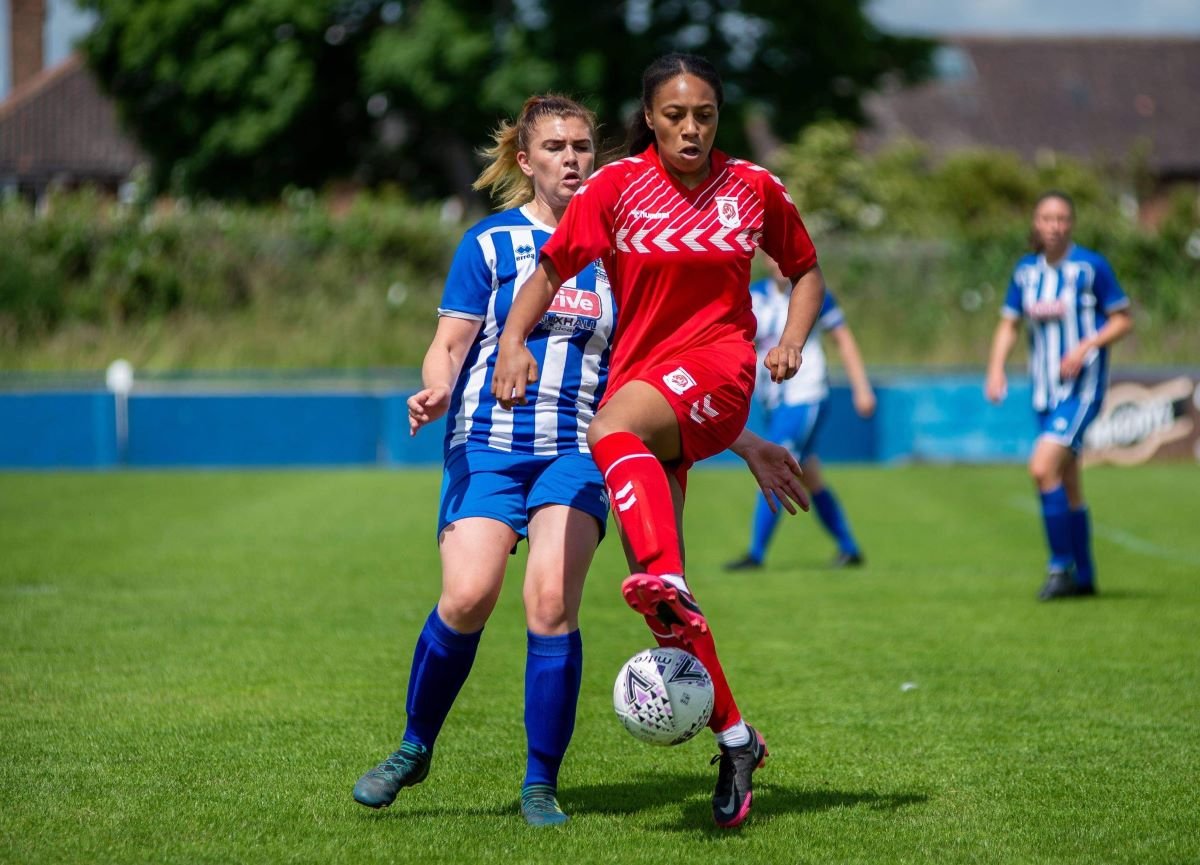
195	667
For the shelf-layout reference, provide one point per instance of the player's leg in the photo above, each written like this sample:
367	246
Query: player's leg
474	553
1055	470
1046	467
830	513
742	748
784	425
482	515
561	543
1081	527
630	436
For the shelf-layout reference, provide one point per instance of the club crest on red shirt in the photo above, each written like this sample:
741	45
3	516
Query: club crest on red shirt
727	211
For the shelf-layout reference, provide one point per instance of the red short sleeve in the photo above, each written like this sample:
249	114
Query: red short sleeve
785	238
585	232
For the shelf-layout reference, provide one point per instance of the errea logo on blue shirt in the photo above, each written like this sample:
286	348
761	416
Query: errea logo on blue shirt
524	251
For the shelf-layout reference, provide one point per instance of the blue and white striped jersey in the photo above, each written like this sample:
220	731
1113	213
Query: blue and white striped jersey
571	344
1064	304
811	382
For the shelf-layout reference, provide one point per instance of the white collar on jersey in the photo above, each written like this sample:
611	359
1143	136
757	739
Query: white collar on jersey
1041	259
537	223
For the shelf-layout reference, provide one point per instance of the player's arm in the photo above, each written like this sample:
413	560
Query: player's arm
776	470
439	371
808	292
1118	325
515	366
995	387
860	385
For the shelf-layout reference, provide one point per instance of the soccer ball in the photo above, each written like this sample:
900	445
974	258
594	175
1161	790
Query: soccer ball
663	696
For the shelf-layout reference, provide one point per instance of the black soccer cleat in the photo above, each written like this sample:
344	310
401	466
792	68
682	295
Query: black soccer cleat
848	560
1060	583
735	789
745	563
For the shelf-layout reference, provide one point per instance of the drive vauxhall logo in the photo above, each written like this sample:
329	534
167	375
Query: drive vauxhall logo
576	301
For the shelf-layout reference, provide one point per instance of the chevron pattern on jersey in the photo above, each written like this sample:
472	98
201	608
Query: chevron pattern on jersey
653	216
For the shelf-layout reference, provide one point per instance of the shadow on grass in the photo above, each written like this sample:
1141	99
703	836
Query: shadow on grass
688	792
692	792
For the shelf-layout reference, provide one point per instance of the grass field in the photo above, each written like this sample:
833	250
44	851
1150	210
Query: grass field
195	668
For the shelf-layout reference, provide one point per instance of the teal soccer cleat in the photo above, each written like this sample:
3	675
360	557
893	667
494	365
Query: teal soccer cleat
405	768
539	806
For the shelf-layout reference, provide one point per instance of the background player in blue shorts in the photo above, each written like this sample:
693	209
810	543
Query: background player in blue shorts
1075	309
795	409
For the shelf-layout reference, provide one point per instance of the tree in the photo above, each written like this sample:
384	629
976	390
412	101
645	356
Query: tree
235	99
241	99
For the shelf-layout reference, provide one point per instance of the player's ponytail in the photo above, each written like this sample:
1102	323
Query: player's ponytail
640	135
502	176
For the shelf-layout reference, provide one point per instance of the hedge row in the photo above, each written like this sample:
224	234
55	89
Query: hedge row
919	252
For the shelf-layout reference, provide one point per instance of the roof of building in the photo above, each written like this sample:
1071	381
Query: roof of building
59	124
1090	97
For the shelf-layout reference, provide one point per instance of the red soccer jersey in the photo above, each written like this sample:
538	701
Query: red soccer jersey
679	259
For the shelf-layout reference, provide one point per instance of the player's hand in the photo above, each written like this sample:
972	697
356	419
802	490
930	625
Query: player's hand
778	475
864	402
783	361
1073	361
996	387
515	368
427	405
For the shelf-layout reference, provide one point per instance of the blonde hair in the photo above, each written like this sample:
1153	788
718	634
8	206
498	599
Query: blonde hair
502	177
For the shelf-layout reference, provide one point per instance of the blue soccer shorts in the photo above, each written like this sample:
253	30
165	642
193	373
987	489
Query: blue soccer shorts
795	427
507	487
1066	423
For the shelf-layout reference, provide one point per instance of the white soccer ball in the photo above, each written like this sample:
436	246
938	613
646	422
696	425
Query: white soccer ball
663	696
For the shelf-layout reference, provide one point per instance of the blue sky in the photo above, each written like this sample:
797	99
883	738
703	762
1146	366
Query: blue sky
1049	17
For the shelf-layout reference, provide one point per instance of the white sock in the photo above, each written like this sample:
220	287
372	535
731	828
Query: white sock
678	581
735	736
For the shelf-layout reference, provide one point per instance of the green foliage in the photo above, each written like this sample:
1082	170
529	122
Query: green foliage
198	665
235	272
900	226
234	100
240	100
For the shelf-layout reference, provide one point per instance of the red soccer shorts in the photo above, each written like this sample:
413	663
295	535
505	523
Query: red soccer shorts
709	389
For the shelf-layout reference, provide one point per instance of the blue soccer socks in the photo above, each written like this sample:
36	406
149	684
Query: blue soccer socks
1056	519
1081	547
441	662
761	530
829	512
553	670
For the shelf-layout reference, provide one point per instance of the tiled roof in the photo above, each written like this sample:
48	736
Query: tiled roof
1089	97
59	124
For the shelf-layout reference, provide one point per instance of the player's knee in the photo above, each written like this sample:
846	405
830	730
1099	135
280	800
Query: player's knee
546	613
1044	474
465	610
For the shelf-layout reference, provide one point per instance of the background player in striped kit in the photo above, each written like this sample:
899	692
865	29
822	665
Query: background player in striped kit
795	410
508	474
1075	309
676	225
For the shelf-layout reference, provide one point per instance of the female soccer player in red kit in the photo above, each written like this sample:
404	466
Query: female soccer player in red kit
676	225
